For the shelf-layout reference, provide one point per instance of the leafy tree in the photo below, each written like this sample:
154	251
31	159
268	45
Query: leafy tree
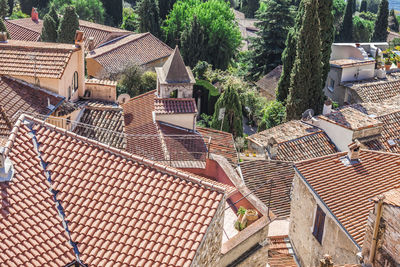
305	84
90	10
41	3
393	22
53	14
134	81
232	121
3	9
381	24
192	43
339	7
362	29
273	114
149	81
364	6
249	7
149	19
267	48
368	16
222	35
327	31
49	29
3	28
130	20
165	7
114	11
289	56
68	26
17	13
346	31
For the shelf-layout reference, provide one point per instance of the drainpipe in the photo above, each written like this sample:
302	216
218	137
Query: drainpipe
376	229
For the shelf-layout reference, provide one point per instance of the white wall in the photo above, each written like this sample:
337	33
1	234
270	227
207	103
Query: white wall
187	121
340	136
341	51
364	72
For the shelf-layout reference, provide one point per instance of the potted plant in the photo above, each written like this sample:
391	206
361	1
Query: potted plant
388	63
241	222
251	216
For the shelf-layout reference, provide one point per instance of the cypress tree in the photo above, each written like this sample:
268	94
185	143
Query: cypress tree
251	8
393	22
232	121
68	26
149	20
114	10
3	28
267	48
11	6
364	6
26	6
327	31
354	9
381	23
346	31
192	43
3	9
305	84
49	29
53	14
165	7
288	57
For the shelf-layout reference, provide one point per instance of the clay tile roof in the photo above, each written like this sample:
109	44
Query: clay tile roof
174	105
221	144
18	58
377	91
347	62
392	197
5	126
120	53
346	189
103	124
269	82
119	207
257	175
102	82
278	252
18	96
351	118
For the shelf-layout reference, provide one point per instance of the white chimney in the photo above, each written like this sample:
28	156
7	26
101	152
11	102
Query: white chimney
354	151
6	167
327	107
91	44
272	148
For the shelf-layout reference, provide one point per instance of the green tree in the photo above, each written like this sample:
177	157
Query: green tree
373	6
381	24
364	6
3	28
267	48
68	26
53	14
165	7
130	20
305	84
327	31
222	36
249	7
289	56
339	7
273	114
149	19
3	9
232	121
393	22
49	29
192	43
26	6
362	29
148	81
134	81
91	10
11	6
346	31
113	9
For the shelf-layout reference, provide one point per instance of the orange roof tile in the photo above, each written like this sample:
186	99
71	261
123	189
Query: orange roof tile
119	208
377	91
278	252
174	105
24	29
347	189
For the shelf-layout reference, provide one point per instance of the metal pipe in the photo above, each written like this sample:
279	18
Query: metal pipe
376	229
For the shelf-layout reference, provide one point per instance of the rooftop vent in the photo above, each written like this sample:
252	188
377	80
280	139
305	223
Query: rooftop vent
6	167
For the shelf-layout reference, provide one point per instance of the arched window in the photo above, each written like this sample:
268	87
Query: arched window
75	81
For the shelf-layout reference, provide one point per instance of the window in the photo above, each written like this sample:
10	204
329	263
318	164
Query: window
319	224
75	81
331	85
69	92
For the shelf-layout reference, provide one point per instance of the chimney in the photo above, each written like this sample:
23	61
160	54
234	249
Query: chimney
3	37
272	148
34	15
354	151
358	45
91	43
327	107
326	261
6	167
79	38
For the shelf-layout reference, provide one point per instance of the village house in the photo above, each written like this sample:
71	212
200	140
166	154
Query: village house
268	84
330	202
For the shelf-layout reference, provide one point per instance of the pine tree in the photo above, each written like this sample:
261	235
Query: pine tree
114	10
3	28
346	31
288	57
49	29
267	48
68	26
149	20
381	23
393	22
364	6
3	9
165	7
232	121
305	84
26	6
327	35
54	15
192	43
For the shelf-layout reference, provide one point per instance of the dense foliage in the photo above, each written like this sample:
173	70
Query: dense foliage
149	17
364	6
4	8
114	11
68	26
327	31
90	10
192	43
249	7
393	22
346	30
135	81
49	29
362	29
273	114
165	7
130	20
381	24
3	28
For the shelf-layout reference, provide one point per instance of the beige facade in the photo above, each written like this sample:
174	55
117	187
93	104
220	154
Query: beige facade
185	120
335	241
101	90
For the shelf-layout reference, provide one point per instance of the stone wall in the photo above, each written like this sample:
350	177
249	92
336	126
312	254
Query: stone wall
335	242
209	251
184	90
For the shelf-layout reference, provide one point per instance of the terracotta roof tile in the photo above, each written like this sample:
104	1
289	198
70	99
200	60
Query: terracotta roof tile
392	197
109	224
278	252
347	190
174	105
139	49
258	173
18	58
5	126
17	96
377	91
351	118
19	31
221	144
348	62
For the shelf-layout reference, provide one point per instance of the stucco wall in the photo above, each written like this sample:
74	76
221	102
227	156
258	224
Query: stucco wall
94	69
358	73
184	90
341	51
102	92
335	242
340	136
338	94
187	121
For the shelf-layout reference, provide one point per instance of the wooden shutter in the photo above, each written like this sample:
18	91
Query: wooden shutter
319	224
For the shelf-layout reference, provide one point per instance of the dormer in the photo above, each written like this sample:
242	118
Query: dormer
174	79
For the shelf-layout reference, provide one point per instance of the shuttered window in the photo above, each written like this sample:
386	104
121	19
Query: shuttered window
319	224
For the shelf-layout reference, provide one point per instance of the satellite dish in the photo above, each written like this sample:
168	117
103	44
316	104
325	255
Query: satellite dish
122	99
307	115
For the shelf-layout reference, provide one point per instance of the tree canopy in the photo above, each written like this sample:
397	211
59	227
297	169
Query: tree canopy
68	26
149	17
346	31
49	29
4	8
393	22
381	24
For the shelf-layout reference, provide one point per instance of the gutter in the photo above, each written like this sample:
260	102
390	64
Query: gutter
326	206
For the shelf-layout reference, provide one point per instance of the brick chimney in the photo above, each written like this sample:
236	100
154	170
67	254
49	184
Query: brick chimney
354	151
79	38
91	43
34	14
3	37
326	261
327	107
6	167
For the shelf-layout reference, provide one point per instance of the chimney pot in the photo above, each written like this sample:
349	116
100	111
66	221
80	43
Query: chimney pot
34	14
358	45
79	38
3	37
354	151
327	107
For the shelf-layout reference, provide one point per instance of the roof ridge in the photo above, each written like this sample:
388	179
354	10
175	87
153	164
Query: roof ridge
303	136
319	158
214	130
19	25
174	99
139	96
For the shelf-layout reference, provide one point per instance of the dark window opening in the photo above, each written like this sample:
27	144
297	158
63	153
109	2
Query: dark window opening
174	94
75	82
88	93
319	224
